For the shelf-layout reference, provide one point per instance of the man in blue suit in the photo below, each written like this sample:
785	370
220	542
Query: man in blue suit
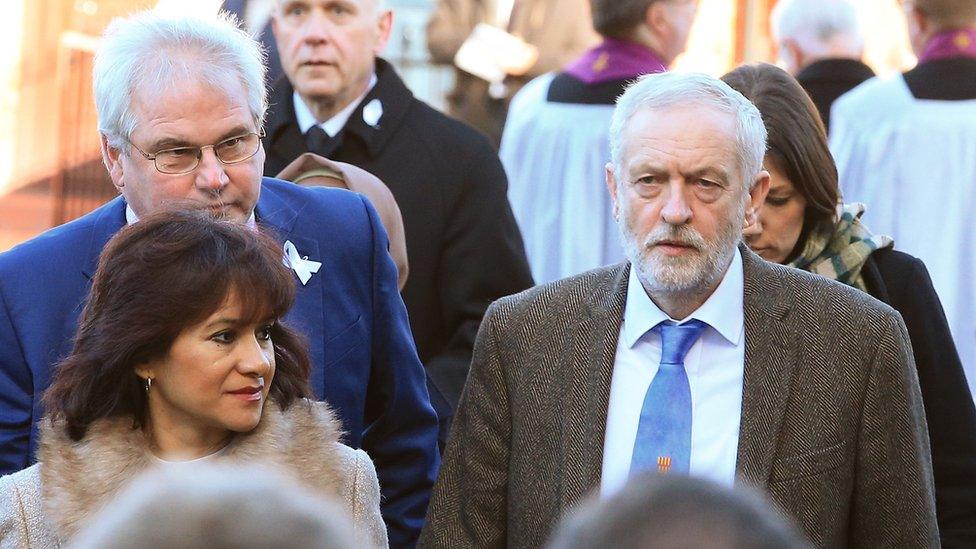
180	105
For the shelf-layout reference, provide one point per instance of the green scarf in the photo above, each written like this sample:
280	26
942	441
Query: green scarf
839	250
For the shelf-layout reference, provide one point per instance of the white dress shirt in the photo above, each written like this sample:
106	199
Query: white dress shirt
334	125
715	365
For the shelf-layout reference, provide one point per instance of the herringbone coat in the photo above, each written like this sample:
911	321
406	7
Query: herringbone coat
832	427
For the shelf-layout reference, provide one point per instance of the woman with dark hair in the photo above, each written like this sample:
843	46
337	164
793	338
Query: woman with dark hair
803	224
179	357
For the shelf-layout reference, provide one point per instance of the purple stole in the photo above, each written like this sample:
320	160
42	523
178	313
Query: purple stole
950	43
614	60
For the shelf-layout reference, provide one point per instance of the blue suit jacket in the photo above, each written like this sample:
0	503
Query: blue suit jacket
364	360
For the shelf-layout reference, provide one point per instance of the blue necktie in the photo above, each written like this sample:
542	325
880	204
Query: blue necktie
664	432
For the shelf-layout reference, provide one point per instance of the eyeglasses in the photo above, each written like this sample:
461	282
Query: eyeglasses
182	160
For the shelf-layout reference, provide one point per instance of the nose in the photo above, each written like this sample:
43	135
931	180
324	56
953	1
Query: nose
676	210
750	232
210	173
253	358
315	28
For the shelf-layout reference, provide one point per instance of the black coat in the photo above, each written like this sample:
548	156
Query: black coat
902	281
463	244
828	79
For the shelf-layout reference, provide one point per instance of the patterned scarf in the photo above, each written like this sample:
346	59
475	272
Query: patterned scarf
839	250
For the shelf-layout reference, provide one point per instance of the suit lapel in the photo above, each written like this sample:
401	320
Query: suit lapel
308	312
772	350
109	220
587	369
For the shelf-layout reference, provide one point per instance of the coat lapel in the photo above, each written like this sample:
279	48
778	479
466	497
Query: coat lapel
308	313
587	369
772	349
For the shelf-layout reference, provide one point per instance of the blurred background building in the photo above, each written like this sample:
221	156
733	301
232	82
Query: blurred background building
50	166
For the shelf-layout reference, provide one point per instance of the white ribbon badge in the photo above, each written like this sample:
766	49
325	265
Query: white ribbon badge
372	113
302	266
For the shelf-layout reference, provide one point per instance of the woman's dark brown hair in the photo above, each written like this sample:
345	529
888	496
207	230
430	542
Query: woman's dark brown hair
797	142
156	278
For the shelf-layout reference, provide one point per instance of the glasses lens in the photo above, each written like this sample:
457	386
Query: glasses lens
237	149
177	160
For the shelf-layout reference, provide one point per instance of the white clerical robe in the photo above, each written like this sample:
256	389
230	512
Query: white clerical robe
554	154
913	163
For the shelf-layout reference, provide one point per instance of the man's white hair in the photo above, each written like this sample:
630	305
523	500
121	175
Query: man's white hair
815	24
148	54
673	89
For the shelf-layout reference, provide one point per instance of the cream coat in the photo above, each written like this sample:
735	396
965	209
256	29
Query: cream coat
49	503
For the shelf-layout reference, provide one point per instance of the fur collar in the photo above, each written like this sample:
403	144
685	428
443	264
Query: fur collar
79	478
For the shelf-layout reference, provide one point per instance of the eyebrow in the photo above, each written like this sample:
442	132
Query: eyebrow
714	171
177	142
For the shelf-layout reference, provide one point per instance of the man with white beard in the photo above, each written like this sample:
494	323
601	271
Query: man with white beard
694	357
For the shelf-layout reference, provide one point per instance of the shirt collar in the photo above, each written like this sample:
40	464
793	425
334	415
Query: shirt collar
131	218
722	310
334	125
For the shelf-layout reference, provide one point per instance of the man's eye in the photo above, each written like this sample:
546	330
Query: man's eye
707	184
338	9
295	11
176	153
647	180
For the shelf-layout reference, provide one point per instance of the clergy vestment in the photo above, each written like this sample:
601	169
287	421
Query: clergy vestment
912	160
555	147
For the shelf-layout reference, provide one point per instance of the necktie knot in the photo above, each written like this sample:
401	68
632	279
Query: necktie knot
677	339
319	142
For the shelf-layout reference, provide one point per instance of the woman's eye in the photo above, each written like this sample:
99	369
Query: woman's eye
264	333
225	336
777	201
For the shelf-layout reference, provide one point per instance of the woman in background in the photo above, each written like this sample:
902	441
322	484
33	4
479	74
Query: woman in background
803	224
180	358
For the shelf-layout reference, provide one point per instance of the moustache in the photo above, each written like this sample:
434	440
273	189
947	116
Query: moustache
677	235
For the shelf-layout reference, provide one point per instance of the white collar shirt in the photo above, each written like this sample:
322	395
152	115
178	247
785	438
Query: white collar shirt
334	125
714	364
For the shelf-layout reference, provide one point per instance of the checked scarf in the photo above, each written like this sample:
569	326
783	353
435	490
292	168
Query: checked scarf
839	250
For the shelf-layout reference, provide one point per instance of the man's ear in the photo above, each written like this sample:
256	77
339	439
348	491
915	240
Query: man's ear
757	196
385	25
612	188
111	157
656	18
796	58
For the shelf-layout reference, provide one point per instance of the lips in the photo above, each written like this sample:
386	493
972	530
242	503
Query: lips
251	392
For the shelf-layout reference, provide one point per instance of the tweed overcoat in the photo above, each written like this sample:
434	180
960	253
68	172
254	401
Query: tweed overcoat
51	501
832	428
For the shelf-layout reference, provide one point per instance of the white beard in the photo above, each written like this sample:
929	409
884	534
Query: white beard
692	273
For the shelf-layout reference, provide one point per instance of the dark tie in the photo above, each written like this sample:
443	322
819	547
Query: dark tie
663	440
319	142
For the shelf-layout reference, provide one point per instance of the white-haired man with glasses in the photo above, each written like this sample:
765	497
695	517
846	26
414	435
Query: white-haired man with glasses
180	110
